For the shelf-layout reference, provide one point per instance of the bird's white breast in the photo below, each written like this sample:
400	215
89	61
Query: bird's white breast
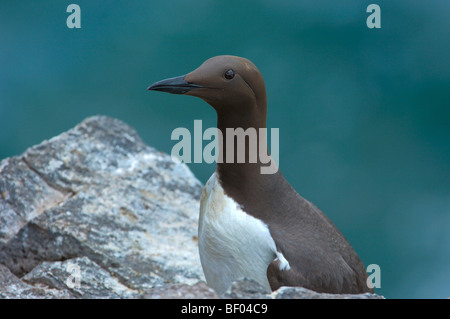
232	243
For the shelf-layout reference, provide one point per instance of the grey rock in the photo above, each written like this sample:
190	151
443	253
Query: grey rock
81	277
250	289
17	204
98	191
246	289
181	291
14	288
97	204
303	293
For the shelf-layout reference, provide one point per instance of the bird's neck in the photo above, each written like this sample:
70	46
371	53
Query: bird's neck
243	150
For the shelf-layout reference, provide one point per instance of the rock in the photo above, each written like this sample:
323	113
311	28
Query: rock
80	277
246	289
97	213
97	191
303	293
173	291
249	289
13	287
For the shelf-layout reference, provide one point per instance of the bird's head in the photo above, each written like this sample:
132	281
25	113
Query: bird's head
230	84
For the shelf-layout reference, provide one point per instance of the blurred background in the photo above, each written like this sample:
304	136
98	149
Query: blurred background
364	114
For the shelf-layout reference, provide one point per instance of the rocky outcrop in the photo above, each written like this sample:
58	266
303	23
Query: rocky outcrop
97	213
98	197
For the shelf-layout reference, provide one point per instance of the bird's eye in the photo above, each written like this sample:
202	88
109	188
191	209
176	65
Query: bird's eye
229	74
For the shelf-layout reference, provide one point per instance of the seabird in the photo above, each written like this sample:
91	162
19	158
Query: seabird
256	225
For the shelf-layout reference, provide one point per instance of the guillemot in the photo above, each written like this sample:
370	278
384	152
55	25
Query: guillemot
256	225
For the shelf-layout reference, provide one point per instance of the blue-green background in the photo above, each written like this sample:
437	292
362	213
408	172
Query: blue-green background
364	114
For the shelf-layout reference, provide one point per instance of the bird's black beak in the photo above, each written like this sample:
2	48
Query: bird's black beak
175	85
